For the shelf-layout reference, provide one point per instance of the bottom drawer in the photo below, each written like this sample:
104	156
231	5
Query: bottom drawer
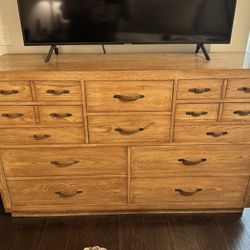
188	189
68	191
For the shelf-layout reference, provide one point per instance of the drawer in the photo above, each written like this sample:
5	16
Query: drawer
199	89
17	115
42	135
236	112
190	161
188	189
93	161
212	133
126	129
15	91
68	191
61	115
238	88
129	96
197	112
58	91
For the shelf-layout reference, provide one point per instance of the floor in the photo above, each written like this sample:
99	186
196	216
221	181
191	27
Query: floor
133	232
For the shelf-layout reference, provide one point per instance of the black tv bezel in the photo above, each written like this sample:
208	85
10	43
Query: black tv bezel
126	43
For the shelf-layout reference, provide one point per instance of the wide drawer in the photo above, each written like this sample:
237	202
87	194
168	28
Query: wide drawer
188	189
129	96
190	161
236	112
42	135
58	91
93	161
212	133
199	89
126	129
238	88
68	191
15	91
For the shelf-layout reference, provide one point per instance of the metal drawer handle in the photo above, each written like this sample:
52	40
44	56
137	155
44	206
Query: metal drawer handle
199	91
128	132
197	114
40	137
191	163
60	116
124	98
58	164
58	92
186	193
63	194
12	116
214	134
244	89
8	92
242	113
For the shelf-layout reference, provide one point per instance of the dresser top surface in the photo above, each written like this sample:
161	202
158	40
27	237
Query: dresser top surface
124	62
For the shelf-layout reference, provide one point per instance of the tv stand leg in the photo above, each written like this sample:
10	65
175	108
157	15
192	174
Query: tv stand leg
203	48
51	50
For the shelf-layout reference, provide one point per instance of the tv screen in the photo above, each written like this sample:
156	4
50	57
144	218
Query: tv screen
126	21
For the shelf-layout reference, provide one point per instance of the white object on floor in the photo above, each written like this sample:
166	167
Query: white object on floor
95	248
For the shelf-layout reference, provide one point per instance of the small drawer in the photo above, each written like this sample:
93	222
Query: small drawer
96	161
238	88
17	115
188	189
129	96
92	191
61	115
15	91
197	112
42	135
199	89
212	133
58	91
236	112
129	129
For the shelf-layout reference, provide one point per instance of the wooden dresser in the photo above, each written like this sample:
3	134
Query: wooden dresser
124	133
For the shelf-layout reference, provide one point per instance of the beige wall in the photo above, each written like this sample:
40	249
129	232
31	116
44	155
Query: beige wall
9	16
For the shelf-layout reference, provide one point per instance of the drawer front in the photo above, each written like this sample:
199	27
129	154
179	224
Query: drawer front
58	91
238	88
61	115
125	129
15	91
188	189
129	96
213	133
17	115
64	162
197	112
236	112
68	192
190	161
199	89
42	135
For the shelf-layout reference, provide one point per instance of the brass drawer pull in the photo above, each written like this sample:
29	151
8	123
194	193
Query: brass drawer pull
186	193
244	89
191	163
197	114
8	92
128	132
60	116
242	113
58	92
214	134
199	91
40	137
65	164
12	116
124	98
62	194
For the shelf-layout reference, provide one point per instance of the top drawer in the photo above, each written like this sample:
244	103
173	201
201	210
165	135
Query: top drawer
15	91
58	91
199	89
129	96
238	88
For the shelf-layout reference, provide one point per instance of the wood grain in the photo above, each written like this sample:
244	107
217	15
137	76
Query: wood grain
236	112
233	88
